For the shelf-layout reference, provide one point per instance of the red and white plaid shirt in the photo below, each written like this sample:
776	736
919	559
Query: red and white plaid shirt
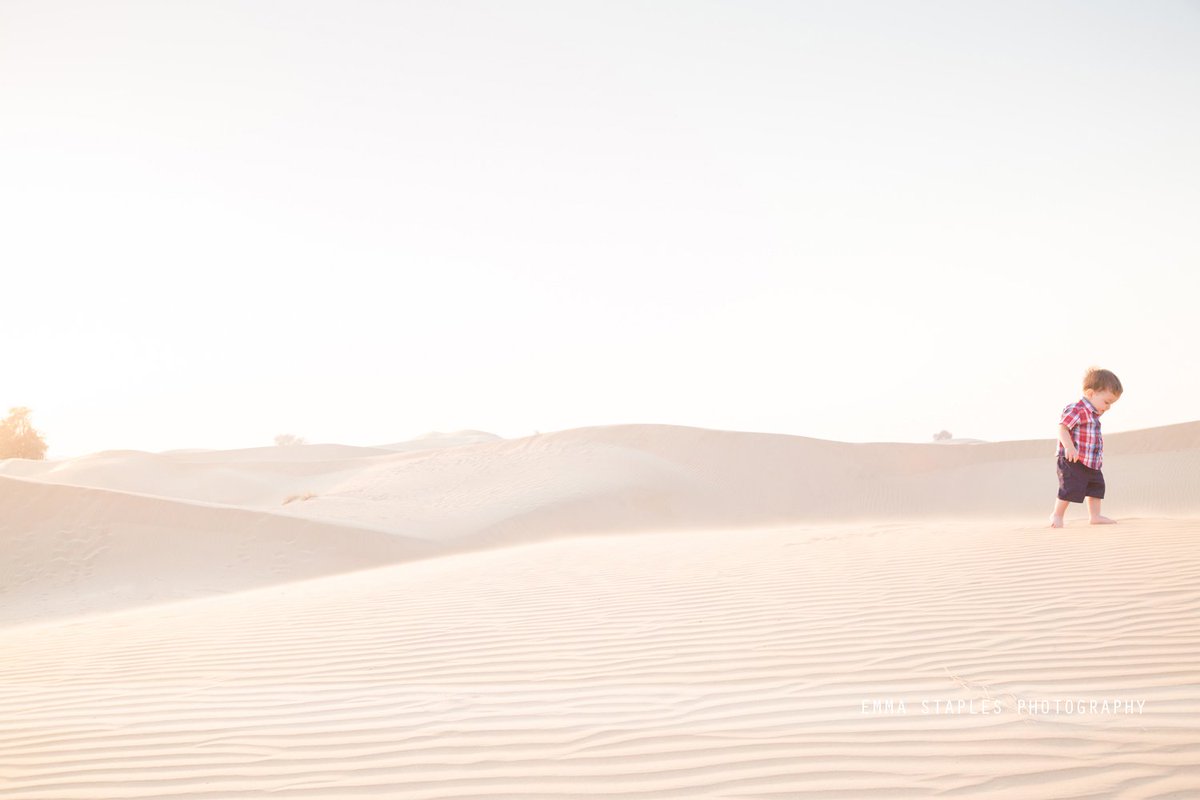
1084	423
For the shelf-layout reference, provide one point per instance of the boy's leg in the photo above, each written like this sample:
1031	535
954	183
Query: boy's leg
1060	508
1093	504
1069	489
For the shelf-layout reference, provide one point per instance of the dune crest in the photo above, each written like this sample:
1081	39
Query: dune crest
72	551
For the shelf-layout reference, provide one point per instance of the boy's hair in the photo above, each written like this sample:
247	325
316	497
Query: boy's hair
1102	380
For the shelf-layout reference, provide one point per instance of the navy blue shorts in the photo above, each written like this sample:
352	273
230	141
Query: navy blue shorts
1076	481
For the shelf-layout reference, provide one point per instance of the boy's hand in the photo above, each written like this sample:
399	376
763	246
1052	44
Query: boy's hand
1071	453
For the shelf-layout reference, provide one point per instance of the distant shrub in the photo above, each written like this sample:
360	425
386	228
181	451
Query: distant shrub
942	436
301	497
18	439
288	439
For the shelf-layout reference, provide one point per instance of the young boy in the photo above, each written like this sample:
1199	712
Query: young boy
1081	447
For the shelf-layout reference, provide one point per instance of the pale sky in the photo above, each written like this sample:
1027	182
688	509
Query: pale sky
359	222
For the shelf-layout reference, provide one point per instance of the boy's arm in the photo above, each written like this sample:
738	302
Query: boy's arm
1064	436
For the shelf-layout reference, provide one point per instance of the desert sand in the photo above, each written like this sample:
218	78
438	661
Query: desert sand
623	611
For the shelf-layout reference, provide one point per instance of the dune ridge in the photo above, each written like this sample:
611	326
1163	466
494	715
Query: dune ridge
71	550
643	477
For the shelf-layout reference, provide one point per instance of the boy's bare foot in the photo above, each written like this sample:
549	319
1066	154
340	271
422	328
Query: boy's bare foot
1056	522
1103	521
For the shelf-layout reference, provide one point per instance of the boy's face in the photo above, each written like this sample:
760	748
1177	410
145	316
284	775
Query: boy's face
1102	400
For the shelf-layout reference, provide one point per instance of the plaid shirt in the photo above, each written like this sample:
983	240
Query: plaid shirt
1081	418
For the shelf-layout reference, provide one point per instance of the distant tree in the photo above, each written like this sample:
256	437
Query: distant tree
18	439
942	436
288	439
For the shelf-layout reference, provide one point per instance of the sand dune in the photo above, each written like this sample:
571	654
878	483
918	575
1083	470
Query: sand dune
675	613
639	477
68	550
